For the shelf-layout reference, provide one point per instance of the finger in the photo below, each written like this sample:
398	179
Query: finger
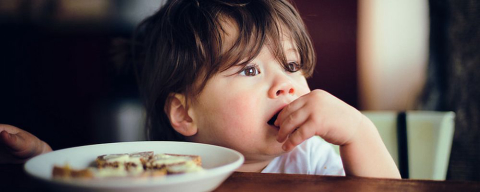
291	122
8	150
300	135
13	142
8	135
4	136
29	145
293	106
9	140
9	129
20	146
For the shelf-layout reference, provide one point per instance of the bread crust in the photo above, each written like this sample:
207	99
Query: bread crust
140	164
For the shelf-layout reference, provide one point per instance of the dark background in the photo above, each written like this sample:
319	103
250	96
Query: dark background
57	77
59	82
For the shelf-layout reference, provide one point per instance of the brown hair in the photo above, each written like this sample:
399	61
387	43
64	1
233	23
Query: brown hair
182	48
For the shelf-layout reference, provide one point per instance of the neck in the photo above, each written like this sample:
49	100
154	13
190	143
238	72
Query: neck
256	166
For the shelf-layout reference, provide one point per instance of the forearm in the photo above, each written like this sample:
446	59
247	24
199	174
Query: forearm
366	155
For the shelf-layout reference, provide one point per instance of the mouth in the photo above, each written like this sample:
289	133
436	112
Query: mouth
272	120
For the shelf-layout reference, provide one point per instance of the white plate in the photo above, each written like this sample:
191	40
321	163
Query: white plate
218	162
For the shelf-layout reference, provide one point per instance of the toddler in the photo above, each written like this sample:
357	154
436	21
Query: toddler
233	73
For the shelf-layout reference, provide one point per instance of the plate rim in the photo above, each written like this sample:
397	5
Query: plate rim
148	182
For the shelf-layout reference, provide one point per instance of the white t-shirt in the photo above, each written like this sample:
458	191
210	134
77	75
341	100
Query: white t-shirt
314	157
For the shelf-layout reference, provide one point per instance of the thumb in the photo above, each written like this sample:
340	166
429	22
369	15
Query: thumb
12	141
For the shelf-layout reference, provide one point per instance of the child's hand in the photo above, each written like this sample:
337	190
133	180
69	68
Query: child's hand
17	145
317	113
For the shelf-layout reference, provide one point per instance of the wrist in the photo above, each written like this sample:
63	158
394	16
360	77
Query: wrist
364	131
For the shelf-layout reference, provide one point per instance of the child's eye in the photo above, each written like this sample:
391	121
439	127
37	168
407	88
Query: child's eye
250	70
293	67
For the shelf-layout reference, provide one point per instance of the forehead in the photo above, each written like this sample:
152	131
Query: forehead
230	34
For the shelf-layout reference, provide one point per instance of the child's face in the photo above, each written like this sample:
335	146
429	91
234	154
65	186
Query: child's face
233	109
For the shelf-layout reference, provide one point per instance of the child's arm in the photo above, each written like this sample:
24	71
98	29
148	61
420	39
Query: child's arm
367	155
320	113
17	145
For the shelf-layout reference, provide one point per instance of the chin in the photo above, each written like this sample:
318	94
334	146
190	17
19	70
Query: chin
262	153
275	150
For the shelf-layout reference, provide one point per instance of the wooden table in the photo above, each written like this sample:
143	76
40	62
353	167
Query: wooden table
13	178
290	182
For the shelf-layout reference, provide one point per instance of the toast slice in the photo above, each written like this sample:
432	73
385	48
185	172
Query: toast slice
131	162
140	164
66	172
175	163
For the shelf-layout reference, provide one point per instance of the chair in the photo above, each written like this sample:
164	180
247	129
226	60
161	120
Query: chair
421	144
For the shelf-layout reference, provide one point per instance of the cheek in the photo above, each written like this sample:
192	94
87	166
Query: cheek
230	121
241	111
303	91
302	86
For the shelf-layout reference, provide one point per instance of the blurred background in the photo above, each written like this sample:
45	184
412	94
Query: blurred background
59	79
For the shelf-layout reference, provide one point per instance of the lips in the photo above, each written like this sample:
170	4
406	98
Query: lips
272	120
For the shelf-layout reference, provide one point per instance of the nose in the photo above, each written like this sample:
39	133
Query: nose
282	86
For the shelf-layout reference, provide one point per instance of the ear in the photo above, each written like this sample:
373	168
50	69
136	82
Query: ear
177	111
